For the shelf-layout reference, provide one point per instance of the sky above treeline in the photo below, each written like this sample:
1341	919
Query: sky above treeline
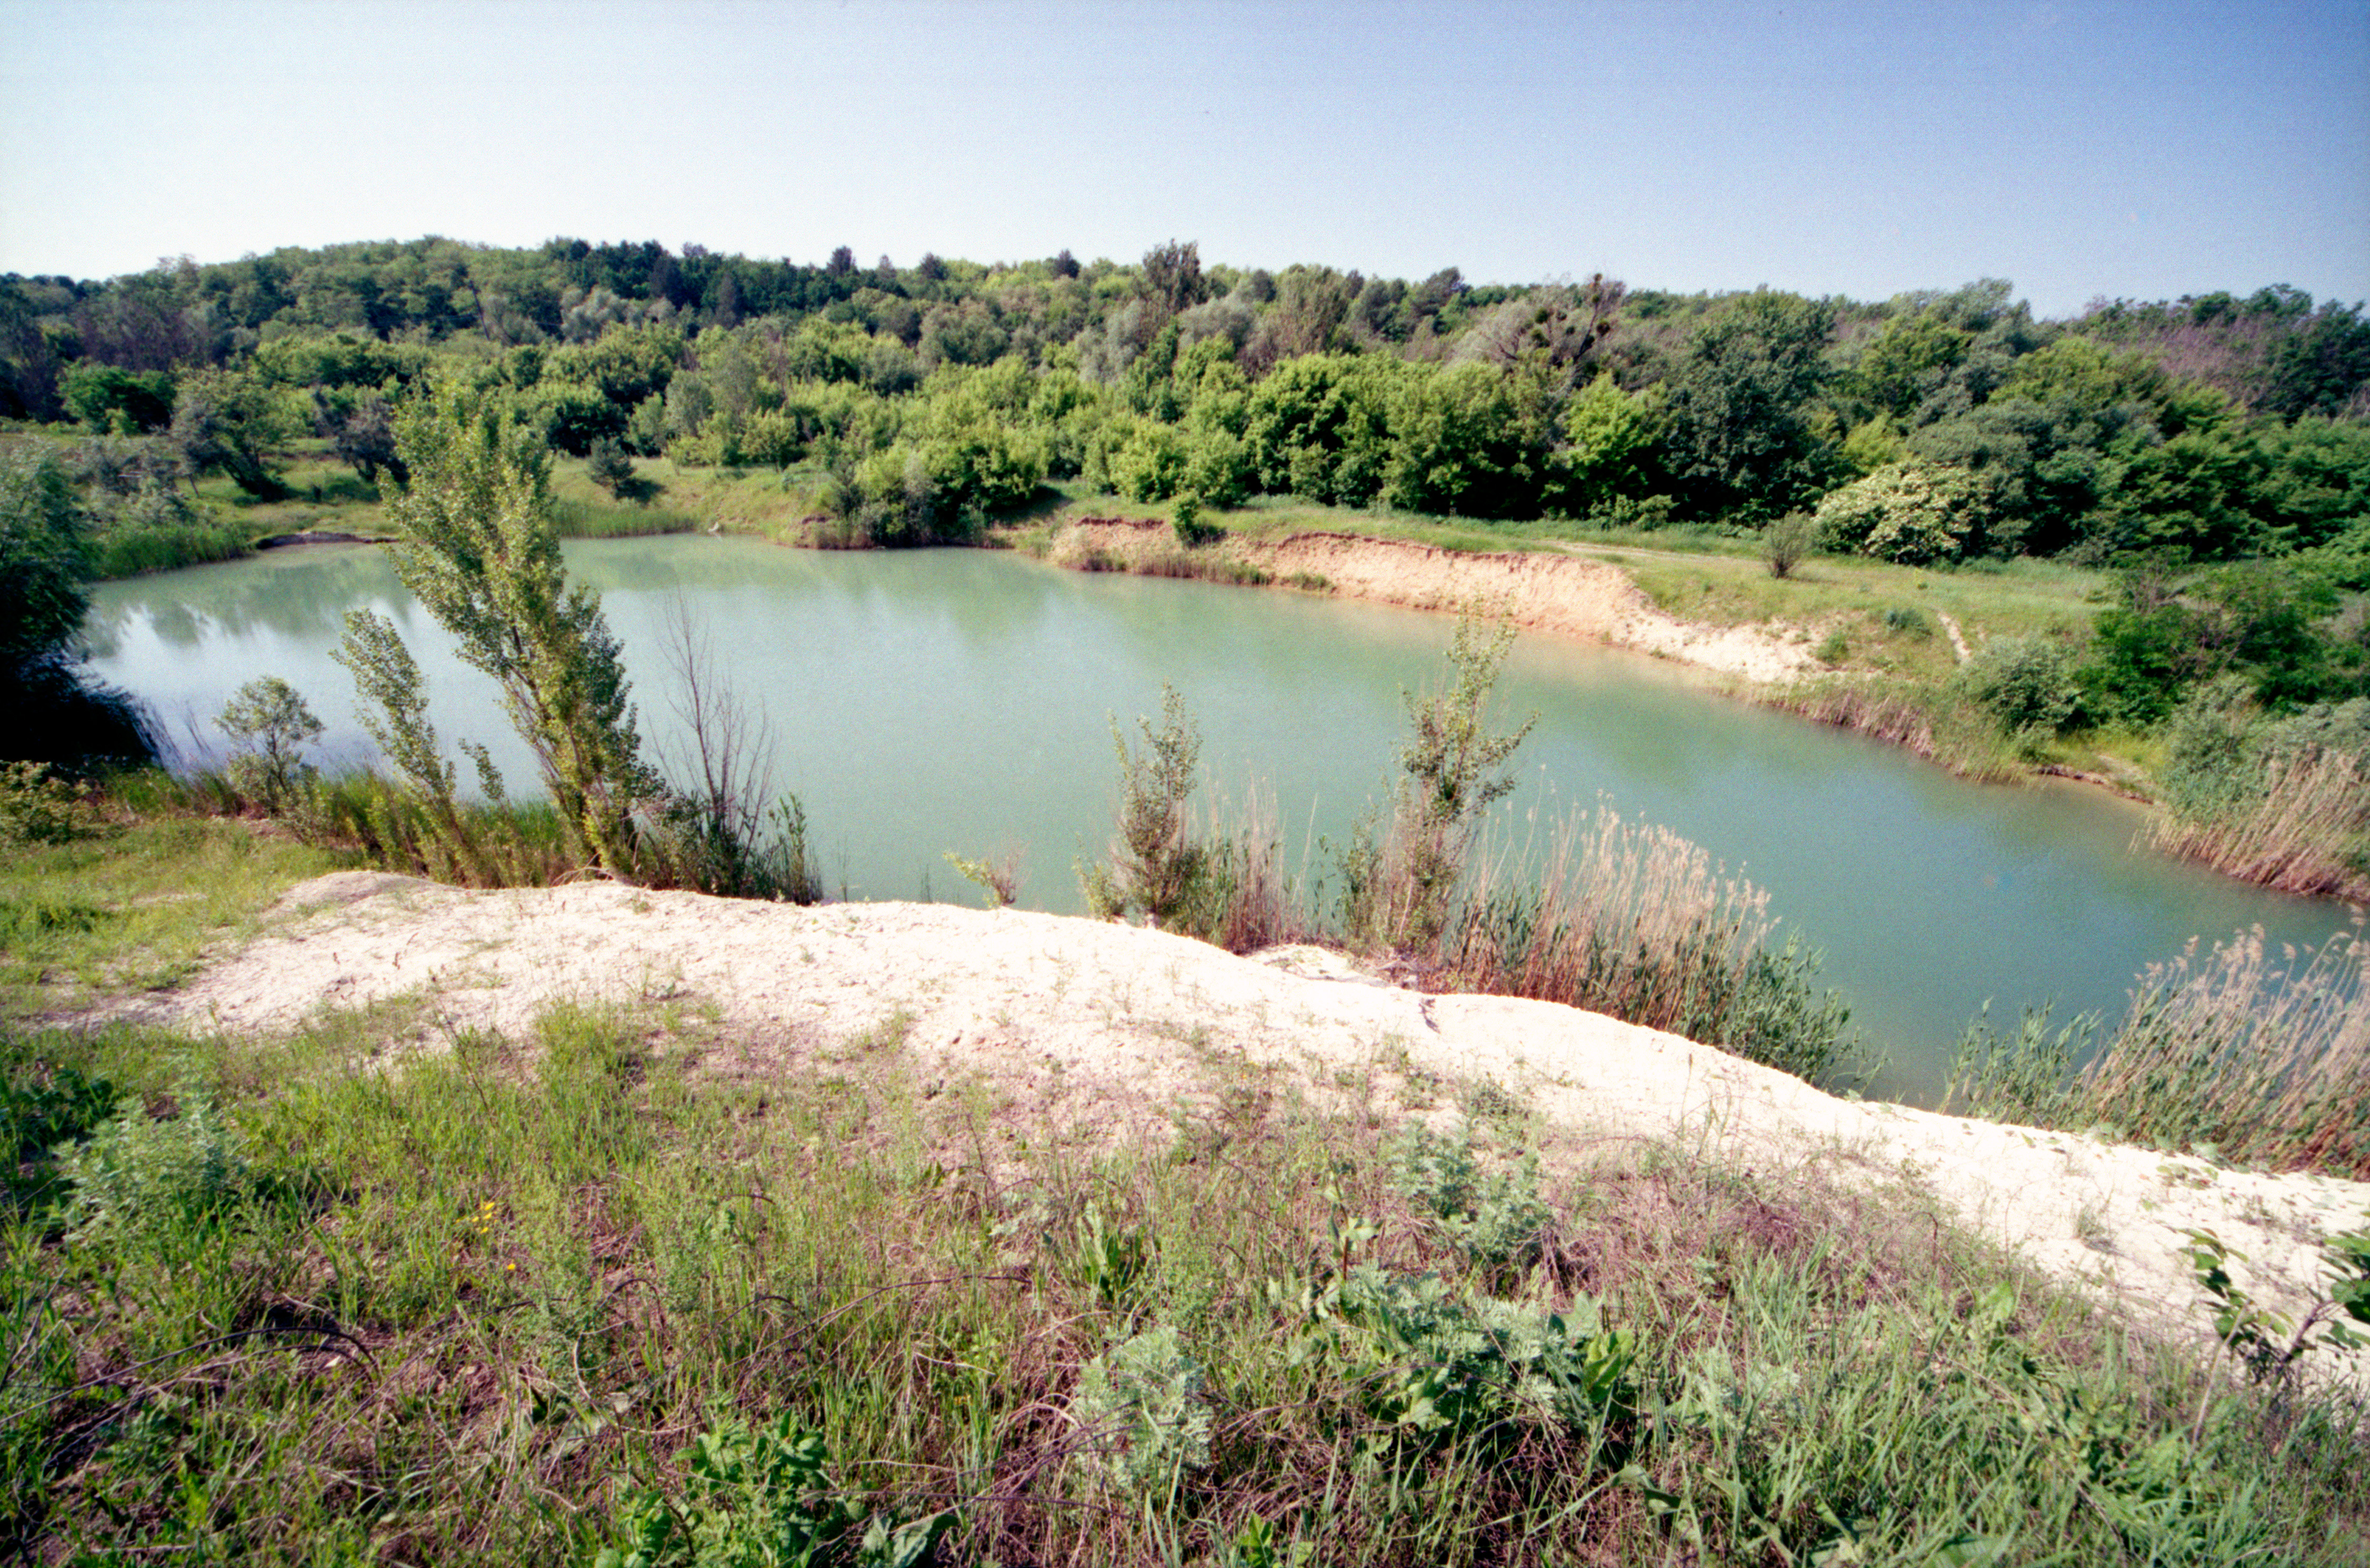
2083	151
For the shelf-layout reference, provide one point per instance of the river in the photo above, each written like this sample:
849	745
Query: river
925	702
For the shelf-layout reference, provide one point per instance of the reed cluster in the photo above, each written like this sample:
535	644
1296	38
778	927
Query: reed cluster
1632	919
2256	1055
2304	829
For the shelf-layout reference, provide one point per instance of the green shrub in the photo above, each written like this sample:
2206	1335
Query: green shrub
757	1497
2030	685
1141	1405
1435	1367
140	1177
37	810
1786	542
1192	531
1157	863
1911	513
268	721
1490	1219
1907	621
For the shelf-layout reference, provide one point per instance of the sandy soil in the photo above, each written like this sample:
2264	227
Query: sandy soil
1560	594
1104	1033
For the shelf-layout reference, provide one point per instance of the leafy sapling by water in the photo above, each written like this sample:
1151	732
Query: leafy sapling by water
270	724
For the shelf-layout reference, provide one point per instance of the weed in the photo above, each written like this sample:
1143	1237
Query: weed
760	1495
36	808
1142	1414
1490	1220
1000	879
138	1177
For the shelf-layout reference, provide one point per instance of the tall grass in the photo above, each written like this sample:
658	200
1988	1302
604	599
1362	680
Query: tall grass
2305	829
509	1301
127	553
2263	1058
580	519
1927	722
1630	919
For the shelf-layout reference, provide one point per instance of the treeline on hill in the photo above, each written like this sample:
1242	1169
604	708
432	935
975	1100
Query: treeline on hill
1930	426
2213	452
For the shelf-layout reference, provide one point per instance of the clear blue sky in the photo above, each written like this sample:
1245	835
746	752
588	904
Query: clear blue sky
2136	150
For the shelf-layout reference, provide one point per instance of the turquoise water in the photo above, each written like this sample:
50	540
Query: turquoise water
924	701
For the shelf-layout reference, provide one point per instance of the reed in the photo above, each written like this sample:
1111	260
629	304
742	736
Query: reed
1635	921
2264	1056
2257	1056
579	519
2307	830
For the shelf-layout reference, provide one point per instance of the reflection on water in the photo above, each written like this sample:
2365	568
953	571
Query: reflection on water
961	700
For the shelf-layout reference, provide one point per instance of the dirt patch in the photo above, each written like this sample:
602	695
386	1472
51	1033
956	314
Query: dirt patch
1131	1035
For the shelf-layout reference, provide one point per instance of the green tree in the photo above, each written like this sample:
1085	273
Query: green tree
482	555
611	467
1739	436
43	563
49	710
115	400
270	722
235	422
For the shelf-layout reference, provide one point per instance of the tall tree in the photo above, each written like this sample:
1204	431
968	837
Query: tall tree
1172	278
482	555
1739	436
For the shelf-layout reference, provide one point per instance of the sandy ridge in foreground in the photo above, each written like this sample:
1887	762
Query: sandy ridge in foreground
1103	1033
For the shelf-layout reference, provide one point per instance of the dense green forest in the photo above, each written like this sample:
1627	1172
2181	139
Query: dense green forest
2209	454
1930	427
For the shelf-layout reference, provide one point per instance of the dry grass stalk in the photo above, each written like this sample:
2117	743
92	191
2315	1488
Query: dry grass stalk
1621	920
2267	1062
1887	716
2306	833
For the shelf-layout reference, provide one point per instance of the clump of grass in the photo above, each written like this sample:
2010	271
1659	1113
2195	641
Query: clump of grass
1925	720
1630	919
2258	1057
2304	828
575	518
131	552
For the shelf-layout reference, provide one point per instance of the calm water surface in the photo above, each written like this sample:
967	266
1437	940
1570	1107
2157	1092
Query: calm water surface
962	700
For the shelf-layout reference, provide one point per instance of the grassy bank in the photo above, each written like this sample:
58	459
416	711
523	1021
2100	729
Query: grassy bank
593	1290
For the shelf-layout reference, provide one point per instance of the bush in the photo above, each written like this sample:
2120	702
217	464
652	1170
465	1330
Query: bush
49	712
36	808
1157	865
1192	531
1913	513
1141	1407
1493	1219
1785	542
140	1177
2030	685
268	721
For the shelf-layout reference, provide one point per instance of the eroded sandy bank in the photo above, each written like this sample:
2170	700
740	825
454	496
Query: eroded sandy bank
1565	595
1101	1033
